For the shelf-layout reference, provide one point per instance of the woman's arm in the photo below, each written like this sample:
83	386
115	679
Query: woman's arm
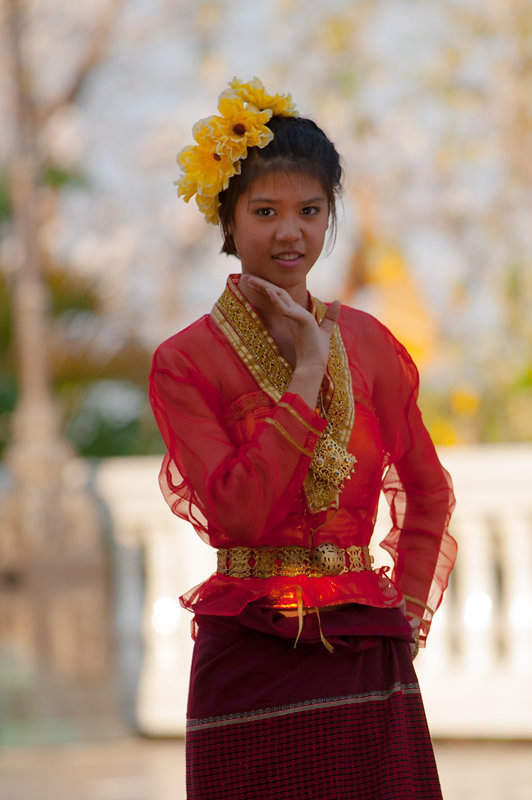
417	487
244	487
311	340
241	484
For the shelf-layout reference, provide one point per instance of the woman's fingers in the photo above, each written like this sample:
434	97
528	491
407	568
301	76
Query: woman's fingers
331	315
280	298
311	339
414	623
260	284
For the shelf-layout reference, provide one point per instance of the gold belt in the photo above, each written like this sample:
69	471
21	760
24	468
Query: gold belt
315	562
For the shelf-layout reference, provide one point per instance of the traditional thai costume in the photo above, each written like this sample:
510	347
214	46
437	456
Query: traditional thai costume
302	682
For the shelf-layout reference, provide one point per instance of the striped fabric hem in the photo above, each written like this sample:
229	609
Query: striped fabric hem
297	708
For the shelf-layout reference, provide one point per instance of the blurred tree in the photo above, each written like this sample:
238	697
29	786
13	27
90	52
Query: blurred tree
436	118
84	345
91	358
431	110
54	604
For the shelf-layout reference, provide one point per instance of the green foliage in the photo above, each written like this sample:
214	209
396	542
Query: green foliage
5	320
498	412
5	203
70	293
58	177
8	401
132	439
110	418
103	397
8	387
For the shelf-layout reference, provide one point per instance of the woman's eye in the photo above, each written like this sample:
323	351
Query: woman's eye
310	211
265	212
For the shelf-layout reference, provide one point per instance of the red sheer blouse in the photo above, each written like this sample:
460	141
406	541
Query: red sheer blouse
237	461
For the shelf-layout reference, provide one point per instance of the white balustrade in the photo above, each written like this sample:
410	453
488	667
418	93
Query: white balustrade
476	673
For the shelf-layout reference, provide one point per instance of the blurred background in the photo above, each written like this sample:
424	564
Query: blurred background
430	104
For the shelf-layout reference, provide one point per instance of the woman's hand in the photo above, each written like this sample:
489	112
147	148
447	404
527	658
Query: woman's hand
310	339
414	623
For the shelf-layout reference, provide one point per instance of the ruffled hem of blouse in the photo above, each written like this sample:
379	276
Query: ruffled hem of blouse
222	595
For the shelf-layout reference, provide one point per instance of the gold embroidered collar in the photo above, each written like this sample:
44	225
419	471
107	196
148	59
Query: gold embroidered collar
245	331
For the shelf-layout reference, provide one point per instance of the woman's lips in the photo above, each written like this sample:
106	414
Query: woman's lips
288	258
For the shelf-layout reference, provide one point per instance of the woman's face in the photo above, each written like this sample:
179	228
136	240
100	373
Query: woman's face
279	228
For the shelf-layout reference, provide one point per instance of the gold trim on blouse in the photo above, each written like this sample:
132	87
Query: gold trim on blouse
331	463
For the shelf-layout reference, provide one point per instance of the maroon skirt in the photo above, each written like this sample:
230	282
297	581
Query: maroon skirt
270	721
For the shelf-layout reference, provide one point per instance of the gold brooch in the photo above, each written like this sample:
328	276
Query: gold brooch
331	462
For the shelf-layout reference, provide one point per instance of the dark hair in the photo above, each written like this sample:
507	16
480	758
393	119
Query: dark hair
298	145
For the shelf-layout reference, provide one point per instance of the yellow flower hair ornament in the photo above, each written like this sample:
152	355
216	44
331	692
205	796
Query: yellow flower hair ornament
222	141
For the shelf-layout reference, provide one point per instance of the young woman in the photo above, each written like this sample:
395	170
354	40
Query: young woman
284	419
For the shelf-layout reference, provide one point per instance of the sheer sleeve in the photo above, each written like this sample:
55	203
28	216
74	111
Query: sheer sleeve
416	486
232	482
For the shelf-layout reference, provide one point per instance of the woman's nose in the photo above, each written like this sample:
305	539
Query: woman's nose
288	229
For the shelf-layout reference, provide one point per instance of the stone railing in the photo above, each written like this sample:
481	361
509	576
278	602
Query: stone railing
476	671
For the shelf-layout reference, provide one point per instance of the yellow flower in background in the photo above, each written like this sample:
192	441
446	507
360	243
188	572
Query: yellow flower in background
253	92
465	401
399	303
222	141
443	432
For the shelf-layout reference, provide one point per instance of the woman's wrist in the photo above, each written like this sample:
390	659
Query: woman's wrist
306	382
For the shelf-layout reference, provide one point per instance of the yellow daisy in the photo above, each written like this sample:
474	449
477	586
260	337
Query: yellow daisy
209	207
205	168
186	188
253	92
216	134
222	141
245	123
